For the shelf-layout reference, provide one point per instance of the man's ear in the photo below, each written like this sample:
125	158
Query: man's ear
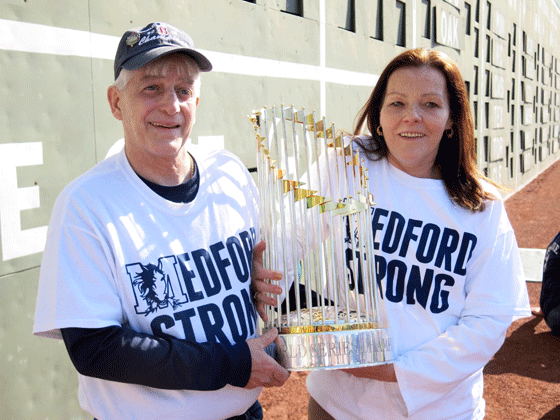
114	98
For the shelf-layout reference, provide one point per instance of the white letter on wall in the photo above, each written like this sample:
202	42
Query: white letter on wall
16	242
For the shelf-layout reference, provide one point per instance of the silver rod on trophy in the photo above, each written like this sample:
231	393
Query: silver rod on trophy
264	178
312	273
324	290
341	172
327	288
301	195
367	275
322	279
279	195
358	272
352	258
291	206
371	249
275	192
370	265
337	274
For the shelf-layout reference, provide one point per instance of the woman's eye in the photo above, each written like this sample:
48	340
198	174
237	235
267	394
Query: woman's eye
431	105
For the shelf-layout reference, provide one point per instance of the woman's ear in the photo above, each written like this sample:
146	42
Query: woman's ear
449	124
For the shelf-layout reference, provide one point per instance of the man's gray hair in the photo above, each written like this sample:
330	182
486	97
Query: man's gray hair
160	67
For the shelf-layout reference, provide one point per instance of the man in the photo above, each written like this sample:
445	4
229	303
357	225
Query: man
148	264
550	290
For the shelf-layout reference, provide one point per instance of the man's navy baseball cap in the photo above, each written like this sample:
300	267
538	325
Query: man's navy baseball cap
139	46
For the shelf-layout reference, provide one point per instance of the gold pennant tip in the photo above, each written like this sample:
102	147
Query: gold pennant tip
315	200
300	193
289	185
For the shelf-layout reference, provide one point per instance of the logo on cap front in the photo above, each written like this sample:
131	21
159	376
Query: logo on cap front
162	30
132	39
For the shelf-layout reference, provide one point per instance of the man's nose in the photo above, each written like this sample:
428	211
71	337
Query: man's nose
170	102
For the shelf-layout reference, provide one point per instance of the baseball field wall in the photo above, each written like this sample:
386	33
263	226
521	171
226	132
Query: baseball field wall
324	55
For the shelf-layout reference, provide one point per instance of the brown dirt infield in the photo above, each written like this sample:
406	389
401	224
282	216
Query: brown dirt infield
522	381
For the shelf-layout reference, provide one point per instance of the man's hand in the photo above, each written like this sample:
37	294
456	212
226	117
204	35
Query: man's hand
265	371
259	287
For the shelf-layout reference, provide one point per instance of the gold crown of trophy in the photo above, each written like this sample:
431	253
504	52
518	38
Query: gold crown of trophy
324	244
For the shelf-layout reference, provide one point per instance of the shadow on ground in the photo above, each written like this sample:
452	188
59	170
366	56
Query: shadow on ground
528	353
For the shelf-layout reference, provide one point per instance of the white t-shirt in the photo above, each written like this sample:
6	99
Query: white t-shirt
452	283
117	252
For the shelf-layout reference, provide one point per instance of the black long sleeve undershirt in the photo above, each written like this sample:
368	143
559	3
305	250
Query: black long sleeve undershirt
123	355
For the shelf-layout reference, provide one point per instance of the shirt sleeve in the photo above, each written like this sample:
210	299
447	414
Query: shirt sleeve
76	288
427	373
496	295
123	355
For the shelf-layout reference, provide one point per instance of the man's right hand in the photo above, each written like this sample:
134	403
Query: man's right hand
265	371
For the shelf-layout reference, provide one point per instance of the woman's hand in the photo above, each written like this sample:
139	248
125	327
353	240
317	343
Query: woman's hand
384	373
259	287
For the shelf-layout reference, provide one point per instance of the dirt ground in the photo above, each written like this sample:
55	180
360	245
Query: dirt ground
522	381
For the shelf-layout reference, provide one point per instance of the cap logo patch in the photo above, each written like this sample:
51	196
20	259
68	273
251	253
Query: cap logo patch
162	30
132	39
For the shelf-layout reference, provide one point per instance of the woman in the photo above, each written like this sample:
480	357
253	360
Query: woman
446	255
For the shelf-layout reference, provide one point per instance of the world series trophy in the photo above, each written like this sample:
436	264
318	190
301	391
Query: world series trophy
333	317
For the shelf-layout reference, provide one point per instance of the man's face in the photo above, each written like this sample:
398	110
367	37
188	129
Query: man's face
157	108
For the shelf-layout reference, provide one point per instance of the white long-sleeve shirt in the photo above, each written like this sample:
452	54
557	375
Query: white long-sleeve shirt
452	283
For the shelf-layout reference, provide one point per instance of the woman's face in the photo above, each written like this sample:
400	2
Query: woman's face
414	114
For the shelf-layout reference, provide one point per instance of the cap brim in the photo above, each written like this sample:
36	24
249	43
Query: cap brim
140	60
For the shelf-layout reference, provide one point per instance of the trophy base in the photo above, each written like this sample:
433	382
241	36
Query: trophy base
334	349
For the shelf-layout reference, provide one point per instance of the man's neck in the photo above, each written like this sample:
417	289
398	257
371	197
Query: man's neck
166	172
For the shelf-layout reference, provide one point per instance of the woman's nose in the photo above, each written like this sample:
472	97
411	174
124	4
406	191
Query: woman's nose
412	113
